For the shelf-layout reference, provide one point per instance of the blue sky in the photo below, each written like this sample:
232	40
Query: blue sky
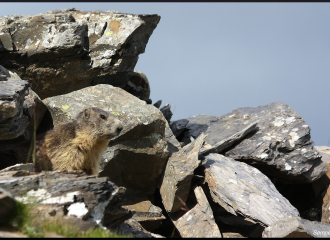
210	58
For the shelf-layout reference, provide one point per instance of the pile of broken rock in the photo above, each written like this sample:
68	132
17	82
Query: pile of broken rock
253	172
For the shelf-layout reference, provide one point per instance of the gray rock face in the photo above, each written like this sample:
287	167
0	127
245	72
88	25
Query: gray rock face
73	49
240	188
166	110
178	126
19	106
12	119
178	175
34	109
198	221
281	146
297	227
136	158
227	143
72	194
138	85
172	142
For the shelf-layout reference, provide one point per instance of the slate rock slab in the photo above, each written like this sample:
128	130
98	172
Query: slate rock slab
198	221
228	142
281	146
137	157
178	126
178	174
13	122
62	51
172	142
297	227
242	189
66	193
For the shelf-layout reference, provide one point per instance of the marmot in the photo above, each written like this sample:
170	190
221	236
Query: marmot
78	145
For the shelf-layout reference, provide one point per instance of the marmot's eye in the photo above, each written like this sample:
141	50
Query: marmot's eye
102	116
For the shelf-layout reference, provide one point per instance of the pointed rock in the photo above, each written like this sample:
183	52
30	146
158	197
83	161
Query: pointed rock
178	174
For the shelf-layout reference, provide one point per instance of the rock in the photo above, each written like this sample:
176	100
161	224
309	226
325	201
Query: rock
115	214
281	147
74	49
61	194
7	204
3	77
296	227
236	221
322	192
172	142
13	121
138	85
158	103
178	126
19	167
324	151
198	221
166	110
242	189
131	227
227	143
147	214
7	73
6	43
34	109
23	120
134	159
178	174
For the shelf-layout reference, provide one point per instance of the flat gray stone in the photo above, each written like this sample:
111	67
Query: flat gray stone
242	189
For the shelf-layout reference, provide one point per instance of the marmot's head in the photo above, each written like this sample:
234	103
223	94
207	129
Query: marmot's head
99	123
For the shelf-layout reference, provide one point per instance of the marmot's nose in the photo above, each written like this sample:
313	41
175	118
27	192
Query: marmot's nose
119	128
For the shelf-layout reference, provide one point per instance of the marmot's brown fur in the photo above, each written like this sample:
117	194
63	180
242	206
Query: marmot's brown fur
79	145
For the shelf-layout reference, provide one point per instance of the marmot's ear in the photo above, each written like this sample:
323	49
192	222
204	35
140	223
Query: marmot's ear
87	112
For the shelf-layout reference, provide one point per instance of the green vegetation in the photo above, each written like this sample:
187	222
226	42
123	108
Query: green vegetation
24	219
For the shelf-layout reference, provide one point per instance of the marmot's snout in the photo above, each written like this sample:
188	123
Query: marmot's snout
119	129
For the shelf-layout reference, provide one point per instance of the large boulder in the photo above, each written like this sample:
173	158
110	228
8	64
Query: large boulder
243	190
137	157
65	50
280	147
